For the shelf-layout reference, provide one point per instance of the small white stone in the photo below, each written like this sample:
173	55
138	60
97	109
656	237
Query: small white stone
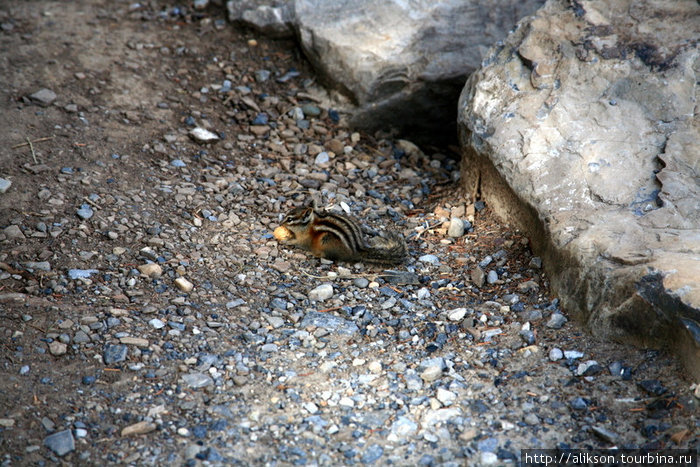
457	314
151	270
203	136
375	366
431	373
456	228
321	293
446	397
555	354
57	348
184	285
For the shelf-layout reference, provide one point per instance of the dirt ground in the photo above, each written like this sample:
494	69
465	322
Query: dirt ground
130	81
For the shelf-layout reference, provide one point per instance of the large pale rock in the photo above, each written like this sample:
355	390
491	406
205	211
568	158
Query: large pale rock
584	129
403	63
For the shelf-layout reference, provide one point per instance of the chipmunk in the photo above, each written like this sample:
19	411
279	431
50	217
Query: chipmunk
338	237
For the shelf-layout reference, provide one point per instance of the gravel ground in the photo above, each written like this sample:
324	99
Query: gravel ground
148	316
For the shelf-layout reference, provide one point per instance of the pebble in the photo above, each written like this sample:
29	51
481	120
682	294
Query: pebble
114	353
446	397
431	373
457	314
61	443
605	434
85	212
7	422
5	185
492	277
478	276
322	158
361	282
403	427
138	428
178	163
13	232
57	348
652	386
573	354
81	273
456	228
375	367
430	259
81	337
330	322
311	110
184	285
203	136
136	341
321	293
555	354
556	321
527	336
43	97
588	368
197	380
152	270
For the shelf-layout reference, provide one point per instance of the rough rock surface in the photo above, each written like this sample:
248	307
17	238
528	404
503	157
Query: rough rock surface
583	126
395	58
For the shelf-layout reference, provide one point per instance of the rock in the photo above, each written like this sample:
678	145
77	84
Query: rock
61	443
456	228
139	428
85	212
5	185
573	354
197	380
203	136
445	397
403	427
57	348
114	353
492	277
430	259
556	321
81	273
556	354
38	266
184	285
137	341
273	20
652	386
43	97
478	276
457	314
321	293
605	434
332	323
376	53
621	205
431	373
13	232
151	270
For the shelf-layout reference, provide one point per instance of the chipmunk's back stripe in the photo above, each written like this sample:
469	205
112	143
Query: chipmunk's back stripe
345	229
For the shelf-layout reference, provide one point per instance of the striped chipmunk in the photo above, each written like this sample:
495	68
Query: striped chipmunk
338	237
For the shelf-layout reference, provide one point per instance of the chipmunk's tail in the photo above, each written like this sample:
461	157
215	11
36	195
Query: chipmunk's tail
390	248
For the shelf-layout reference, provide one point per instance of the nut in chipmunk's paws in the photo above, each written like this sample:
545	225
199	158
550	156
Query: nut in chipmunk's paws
282	234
